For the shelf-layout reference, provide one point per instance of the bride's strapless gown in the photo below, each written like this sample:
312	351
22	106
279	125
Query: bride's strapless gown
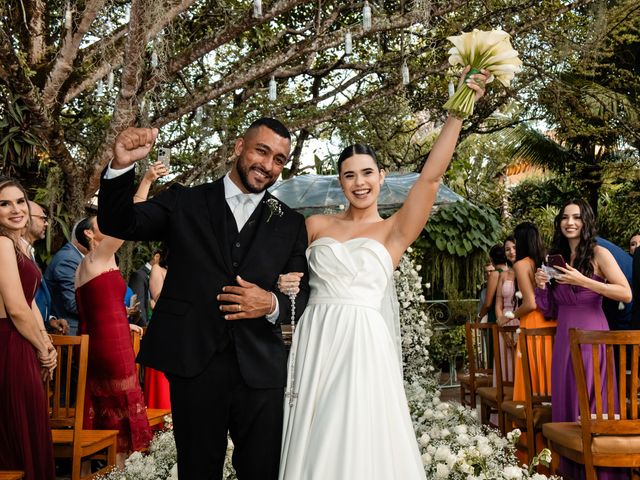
351	420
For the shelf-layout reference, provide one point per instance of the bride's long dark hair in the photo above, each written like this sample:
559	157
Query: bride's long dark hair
583	261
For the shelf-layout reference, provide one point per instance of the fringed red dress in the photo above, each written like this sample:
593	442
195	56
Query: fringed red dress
114	399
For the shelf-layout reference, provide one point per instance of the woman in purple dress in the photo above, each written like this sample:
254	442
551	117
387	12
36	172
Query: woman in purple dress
574	298
26	353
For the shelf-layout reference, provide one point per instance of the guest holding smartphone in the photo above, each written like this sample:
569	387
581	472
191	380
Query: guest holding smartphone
574	298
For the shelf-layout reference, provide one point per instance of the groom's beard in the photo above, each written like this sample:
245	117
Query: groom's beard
243	173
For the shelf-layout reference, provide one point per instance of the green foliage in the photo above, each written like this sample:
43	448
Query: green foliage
455	242
19	136
476	170
461	228
532	194
447	345
619	217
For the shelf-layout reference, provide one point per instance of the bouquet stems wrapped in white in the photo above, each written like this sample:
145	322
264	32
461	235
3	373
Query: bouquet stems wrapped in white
490	51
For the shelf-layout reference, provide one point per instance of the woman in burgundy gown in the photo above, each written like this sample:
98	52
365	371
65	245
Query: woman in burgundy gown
26	353
114	399
574	298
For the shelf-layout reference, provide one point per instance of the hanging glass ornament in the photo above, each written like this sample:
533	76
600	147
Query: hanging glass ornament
110	79
366	16
405	73
143	104
257	8
99	88
451	88
154	59
273	89
199	114
348	43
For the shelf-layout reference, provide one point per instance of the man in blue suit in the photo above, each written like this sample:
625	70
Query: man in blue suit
619	315
60	277
36	230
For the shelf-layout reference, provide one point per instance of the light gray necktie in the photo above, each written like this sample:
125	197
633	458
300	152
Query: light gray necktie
243	209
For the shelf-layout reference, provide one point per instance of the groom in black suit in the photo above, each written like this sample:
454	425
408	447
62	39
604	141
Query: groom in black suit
215	331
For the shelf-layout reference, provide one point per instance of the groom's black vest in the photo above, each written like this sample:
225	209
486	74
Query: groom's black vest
240	243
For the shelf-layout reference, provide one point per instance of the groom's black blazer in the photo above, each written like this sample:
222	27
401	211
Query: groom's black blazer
187	327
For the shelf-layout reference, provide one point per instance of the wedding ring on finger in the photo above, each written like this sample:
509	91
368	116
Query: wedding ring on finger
239	308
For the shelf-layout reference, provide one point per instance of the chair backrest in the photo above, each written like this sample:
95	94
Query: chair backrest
66	407
135	341
504	357
536	345
479	339
609	415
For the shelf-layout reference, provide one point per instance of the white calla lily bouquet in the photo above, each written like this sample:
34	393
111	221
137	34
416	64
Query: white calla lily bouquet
481	50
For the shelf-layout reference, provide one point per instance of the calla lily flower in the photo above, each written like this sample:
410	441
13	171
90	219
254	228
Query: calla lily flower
490	50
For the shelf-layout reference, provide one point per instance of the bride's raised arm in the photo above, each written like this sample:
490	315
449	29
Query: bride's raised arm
408	222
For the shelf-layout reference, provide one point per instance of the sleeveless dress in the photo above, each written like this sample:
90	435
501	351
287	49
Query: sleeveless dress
534	319
114	399
350	419
574	307
508	291
25	435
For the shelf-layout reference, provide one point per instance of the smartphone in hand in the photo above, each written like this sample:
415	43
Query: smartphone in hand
556	260
164	156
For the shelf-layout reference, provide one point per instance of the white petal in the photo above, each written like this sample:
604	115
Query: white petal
456	60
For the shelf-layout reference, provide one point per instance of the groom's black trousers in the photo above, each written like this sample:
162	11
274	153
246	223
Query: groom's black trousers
218	400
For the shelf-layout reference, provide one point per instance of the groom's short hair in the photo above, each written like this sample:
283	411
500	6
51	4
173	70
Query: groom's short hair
272	124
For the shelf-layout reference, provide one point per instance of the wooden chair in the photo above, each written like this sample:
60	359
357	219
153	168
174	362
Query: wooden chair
602	437
11	475
154	415
492	397
536	345
70	440
480	371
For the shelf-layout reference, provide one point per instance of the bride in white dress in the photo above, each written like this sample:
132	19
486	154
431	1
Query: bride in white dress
346	415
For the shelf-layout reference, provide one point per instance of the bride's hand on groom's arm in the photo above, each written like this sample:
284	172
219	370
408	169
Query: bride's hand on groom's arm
289	283
245	300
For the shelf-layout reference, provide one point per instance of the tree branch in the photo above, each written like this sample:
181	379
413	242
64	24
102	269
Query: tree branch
63	64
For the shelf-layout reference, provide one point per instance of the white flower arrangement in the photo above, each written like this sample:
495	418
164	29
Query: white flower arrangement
490	50
453	443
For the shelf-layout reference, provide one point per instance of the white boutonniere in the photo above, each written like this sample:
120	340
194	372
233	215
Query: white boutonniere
274	208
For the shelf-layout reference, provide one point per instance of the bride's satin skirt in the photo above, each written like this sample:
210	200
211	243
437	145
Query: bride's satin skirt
351	420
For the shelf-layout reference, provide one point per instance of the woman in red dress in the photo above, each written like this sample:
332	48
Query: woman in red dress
26	353
114	399
156	385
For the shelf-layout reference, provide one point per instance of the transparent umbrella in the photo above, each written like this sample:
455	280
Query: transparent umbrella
311	194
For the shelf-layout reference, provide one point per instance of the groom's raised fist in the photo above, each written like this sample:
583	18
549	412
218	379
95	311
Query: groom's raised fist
131	145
